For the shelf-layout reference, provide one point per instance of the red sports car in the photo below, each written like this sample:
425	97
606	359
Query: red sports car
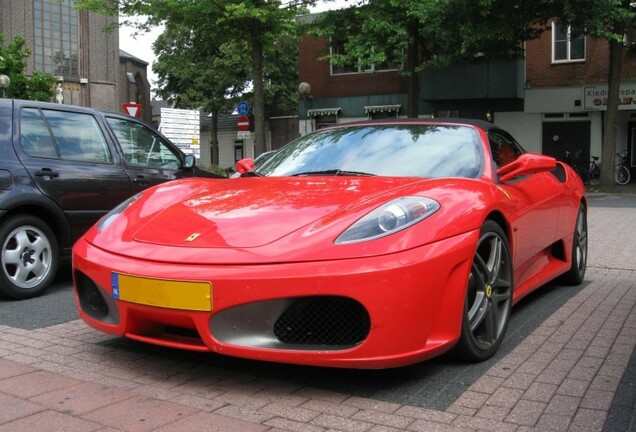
365	245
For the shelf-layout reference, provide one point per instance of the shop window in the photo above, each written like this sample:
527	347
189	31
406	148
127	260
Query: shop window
378	112
238	151
324	117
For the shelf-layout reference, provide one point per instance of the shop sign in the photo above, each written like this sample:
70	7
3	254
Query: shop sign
596	97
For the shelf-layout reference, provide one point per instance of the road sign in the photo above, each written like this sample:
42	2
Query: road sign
132	109
243	108
183	128
243	123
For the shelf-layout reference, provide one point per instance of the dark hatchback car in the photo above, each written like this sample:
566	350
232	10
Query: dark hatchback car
62	167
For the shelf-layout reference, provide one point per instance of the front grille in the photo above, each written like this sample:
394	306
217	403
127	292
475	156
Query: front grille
328	320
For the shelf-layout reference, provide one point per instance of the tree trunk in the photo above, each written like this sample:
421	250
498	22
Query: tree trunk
259	93
608	160
412	62
214	141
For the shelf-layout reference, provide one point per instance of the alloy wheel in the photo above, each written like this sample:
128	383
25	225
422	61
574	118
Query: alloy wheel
27	256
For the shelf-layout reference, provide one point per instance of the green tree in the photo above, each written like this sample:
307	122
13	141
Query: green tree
38	86
255	25
280	73
197	73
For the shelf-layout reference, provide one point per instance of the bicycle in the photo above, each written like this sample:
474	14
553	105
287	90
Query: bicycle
622	174
591	174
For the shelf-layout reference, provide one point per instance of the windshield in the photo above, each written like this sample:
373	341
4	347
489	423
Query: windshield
409	150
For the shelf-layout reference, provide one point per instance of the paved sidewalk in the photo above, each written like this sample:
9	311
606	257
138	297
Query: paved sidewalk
564	376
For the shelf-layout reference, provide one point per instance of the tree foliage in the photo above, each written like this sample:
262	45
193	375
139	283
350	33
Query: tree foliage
444	31
38	86
254	25
195	72
422	34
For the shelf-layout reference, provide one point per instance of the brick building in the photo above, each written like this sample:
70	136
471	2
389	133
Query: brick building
551	99
567	97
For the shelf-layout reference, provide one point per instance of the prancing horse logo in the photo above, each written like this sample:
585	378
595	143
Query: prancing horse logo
193	237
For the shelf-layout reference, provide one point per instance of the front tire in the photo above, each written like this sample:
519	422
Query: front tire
488	302
28	256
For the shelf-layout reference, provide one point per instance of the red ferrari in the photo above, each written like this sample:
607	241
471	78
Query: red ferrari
366	245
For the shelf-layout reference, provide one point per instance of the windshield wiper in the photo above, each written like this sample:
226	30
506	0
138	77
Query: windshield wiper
251	174
335	172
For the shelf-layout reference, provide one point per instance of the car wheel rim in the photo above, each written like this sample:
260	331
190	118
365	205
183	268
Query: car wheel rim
26	257
580	250
489	291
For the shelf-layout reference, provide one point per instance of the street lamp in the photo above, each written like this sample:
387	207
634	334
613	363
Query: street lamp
4	84
304	90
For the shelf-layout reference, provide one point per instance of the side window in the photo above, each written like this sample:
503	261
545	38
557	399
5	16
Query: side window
503	147
78	136
35	138
142	147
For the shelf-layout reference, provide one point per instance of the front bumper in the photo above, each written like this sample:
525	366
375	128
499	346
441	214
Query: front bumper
377	312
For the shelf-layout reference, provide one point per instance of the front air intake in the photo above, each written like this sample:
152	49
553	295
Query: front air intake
328	320
93	301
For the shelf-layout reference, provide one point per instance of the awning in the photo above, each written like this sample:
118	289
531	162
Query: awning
371	109
317	112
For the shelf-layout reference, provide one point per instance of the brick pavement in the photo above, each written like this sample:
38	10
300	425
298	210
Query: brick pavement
562	377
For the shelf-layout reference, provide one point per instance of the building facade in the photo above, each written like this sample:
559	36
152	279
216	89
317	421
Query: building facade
552	97
133	85
566	96
73	46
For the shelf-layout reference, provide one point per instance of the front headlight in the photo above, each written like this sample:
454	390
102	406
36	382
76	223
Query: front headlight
109	217
392	217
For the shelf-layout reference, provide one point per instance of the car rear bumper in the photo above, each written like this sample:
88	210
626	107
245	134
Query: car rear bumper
384	311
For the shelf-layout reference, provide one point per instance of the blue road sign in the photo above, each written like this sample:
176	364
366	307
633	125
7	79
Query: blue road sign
243	108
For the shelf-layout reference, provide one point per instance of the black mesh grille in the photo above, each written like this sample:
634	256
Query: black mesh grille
323	321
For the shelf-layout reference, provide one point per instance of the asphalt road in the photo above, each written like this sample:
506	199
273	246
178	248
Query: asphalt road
433	384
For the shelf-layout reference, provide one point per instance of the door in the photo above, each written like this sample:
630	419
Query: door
68	157
560	138
535	204
149	158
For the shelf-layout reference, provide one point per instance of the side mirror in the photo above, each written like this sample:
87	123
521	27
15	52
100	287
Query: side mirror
526	164
245	165
189	161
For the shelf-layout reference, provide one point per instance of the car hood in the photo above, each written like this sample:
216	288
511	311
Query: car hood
251	213
279	219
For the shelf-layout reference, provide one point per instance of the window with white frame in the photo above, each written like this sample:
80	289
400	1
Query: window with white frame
564	47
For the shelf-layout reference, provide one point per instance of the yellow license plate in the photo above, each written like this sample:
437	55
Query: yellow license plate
173	294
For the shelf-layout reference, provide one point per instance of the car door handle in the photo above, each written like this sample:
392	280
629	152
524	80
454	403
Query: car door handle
47	172
140	180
